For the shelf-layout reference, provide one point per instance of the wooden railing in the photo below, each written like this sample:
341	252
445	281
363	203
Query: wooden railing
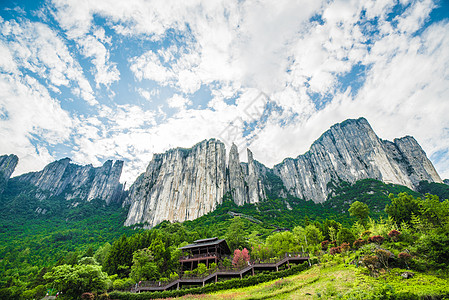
231	270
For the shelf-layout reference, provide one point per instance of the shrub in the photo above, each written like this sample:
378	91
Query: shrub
344	247
394	234
383	256
405	257
378	239
345	236
87	296
324	245
370	262
104	296
365	234
359	243
334	250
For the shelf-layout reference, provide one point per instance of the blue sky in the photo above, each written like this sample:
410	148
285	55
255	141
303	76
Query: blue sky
98	80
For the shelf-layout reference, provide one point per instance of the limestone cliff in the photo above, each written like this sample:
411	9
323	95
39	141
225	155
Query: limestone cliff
253	178
73	181
237	185
8	164
351	151
181	184
184	184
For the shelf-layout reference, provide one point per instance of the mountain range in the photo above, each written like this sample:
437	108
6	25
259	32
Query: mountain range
184	184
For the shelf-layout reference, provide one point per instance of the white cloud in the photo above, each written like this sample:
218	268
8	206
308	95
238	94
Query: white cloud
237	49
148	95
37	48
29	114
105	72
178	101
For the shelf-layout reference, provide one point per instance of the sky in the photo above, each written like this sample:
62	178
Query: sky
98	79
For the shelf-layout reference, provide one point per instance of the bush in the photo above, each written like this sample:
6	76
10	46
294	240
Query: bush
371	262
378	239
365	234
344	247
334	250
324	245
394	234
345	236
87	296
359	243
104	296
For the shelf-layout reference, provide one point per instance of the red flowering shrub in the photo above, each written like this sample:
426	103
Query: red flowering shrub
359	243
335	250
394	234
344	247
241	258
378	239
325	245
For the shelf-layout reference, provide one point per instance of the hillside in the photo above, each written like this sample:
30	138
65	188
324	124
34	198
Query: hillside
335	280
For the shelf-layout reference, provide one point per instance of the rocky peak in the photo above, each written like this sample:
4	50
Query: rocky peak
350	151
8	164
73	181
253	178
236	178
180	184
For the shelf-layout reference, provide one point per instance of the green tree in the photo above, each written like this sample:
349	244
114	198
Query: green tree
313	235
144	267
345	236
402	207
360	211
101	253
74	280
282	242
236	235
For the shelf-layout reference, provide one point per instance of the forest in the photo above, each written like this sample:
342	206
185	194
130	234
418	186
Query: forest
86	253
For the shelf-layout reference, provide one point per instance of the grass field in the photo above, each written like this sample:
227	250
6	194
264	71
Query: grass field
340	282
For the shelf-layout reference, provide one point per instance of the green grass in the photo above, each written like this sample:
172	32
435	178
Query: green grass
330	281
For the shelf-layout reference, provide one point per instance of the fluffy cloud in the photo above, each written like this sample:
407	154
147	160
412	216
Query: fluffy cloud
38	49
279	74
29	115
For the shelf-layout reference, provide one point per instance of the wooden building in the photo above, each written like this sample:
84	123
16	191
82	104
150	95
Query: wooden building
204	251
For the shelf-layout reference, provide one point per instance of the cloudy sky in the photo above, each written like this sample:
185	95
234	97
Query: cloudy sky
99	79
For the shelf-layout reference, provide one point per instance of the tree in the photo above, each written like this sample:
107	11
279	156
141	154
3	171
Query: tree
282	242
345	236
74	280
402	207
241	258
313	234
101	253
144	267
360	211
235	236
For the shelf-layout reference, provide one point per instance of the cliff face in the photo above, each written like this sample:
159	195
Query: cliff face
86	182
351	151
179	185
8	164
184	184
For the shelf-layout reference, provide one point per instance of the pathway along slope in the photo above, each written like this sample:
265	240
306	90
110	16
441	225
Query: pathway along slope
289	258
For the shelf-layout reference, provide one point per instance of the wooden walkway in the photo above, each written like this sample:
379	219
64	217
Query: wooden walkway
220	273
